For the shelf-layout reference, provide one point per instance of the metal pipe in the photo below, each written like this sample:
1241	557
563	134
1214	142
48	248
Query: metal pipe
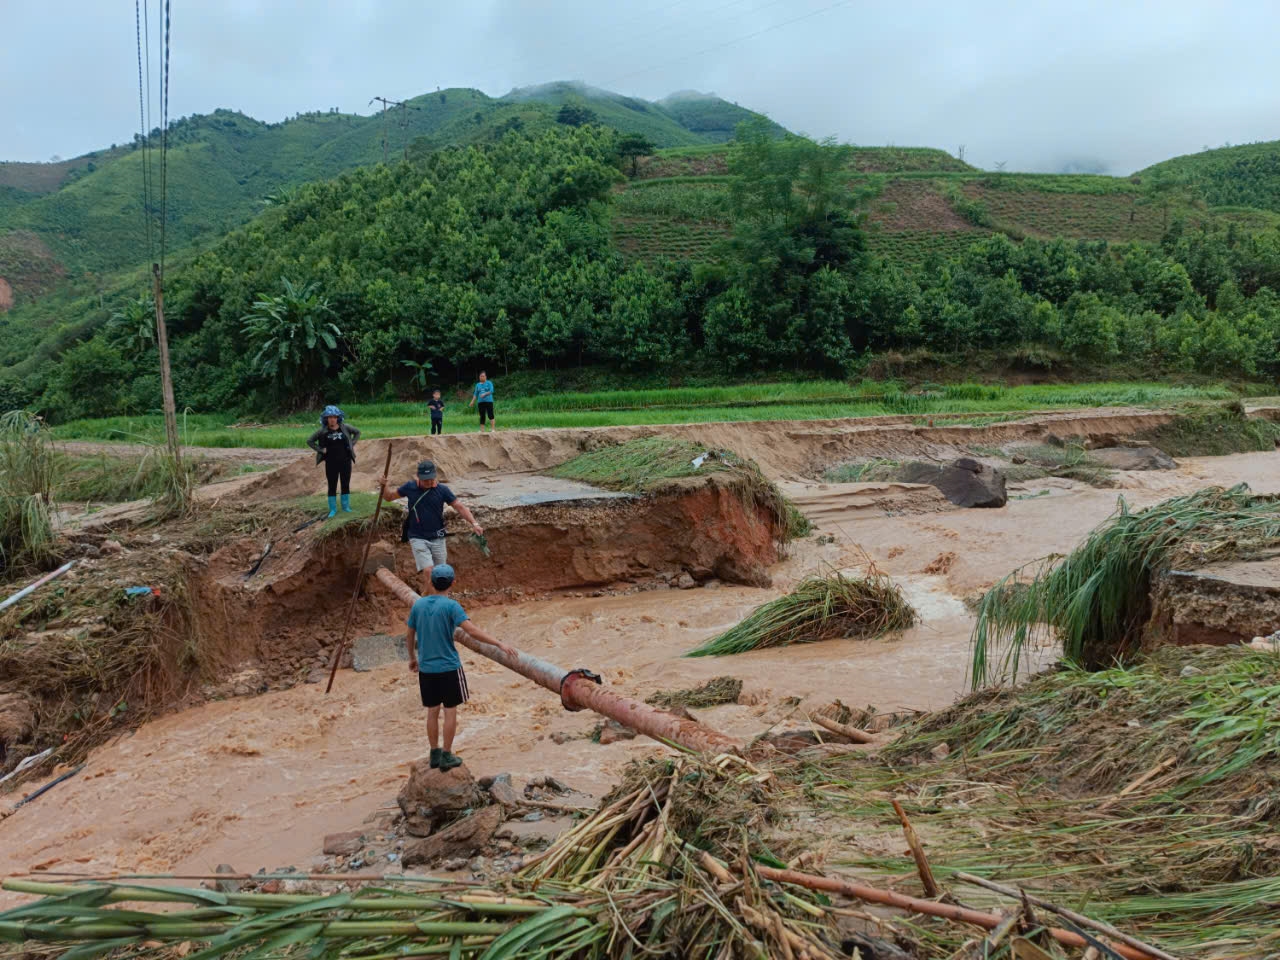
39	583
579	692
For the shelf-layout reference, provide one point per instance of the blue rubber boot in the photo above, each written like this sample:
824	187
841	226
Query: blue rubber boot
333	507
346	503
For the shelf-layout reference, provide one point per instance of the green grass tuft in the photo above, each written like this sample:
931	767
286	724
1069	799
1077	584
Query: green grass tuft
1096	600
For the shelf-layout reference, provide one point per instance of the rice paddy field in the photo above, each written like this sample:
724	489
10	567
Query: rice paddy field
811	400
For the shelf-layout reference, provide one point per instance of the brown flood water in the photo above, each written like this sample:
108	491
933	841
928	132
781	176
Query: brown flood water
257	782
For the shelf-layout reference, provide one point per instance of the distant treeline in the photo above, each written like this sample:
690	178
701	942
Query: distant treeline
500	256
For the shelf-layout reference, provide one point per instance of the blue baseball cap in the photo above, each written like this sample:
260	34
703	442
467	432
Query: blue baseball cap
427	471
441	573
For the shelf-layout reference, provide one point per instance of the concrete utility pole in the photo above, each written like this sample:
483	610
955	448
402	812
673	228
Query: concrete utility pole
166	377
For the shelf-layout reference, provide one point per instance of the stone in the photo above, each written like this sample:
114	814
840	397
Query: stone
417	826
1133	458
112	547
965	482
503	791
242	690
461	839
713	585
317	675
454	864
436	794
611	731
686	581
940	752
227	886
533	833
17	719
1190	671
379	650
343	844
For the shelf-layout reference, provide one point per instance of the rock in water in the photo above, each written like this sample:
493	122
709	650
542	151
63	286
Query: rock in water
503	791
435	795
1133	458
342	844
461	839
966	482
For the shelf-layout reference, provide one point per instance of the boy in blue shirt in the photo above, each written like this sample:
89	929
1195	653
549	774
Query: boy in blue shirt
482	397
434	658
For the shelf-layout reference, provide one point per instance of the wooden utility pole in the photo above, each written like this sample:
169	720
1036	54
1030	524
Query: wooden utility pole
166	377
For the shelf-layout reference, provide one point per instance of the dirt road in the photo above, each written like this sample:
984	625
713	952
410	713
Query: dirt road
257	782
254	455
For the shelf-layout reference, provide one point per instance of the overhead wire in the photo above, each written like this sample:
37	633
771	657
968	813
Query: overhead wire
164	142
142	128
728	43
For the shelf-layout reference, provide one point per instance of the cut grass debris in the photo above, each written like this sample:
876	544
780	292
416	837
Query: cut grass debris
819	608
866	471
1097	600
713	693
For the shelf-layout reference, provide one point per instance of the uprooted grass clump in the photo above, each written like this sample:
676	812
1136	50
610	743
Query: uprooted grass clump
1213	431
1097	599
649	464
818	608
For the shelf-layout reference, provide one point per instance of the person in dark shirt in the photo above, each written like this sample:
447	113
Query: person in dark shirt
427	498
436	406
335	444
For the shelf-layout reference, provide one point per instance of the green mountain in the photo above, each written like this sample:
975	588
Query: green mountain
1243	176
83	218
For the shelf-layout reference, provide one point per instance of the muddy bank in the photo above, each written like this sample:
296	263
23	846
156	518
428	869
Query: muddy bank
1220	604
788	449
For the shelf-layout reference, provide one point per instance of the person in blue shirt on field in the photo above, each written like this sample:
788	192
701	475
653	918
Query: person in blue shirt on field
434	658
424	528
482	397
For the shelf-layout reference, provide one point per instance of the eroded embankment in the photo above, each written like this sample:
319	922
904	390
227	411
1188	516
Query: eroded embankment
244	613
784	450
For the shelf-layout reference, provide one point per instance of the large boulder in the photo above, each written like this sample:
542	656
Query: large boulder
966	482
430	797
462	839
1133	458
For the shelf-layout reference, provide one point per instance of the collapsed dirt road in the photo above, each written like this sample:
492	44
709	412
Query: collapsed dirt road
257	781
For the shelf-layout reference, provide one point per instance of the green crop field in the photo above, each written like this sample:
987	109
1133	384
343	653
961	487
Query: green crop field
816	400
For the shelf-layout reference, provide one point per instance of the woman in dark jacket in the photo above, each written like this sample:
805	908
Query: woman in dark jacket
335	444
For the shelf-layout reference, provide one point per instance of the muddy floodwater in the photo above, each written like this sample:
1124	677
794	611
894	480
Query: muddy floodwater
256	782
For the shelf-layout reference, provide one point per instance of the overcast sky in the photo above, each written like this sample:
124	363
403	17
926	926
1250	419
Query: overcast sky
1031	83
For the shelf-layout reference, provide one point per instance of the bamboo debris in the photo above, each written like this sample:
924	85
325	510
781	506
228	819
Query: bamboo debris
1076	918
842	729
917	853
871	894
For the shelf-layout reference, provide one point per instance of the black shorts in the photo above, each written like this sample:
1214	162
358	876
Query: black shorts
486	410
448	689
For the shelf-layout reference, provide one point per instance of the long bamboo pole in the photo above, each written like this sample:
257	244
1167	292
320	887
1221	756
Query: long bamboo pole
948	911
579	692
355	592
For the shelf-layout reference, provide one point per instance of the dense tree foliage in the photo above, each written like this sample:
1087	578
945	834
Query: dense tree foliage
499	255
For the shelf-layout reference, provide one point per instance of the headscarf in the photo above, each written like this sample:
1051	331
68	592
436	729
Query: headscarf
332	411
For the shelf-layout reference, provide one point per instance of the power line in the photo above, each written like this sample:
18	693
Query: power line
164	141
142	125
729	43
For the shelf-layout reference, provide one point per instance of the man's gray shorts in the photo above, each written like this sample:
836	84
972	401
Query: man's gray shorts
429	553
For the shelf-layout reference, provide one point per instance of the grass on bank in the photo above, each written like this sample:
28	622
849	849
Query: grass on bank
1097	599
1213	431
818	608
814	400
647	464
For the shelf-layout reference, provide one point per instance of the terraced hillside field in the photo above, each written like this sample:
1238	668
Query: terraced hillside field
923	202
